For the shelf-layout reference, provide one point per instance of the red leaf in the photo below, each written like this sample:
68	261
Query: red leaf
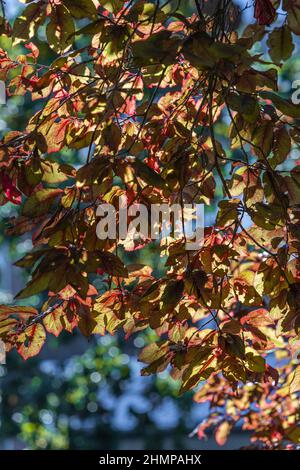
258	317
271	375
264	12
11	192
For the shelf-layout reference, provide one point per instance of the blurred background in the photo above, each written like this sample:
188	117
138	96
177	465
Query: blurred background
88	394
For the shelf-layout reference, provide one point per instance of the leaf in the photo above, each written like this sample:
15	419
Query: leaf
152	352
194	282
158	48
228	212
91	28
263	139
234	345
157	356
280	44
292	7
53	172
203	52
258	317
112	5
155	367
150	176
267	216
295	383
26	25
281	148
222	432
197	51
87	323
172	295
284	106
60	29
293	186
244	104
30	258
38	284
238	181
293	434
68	198
112	323
81	9
231	326
53	134
146	11
53	321
32	341
112	136
22	312
7	326
233	370
40	201
111	264
254	361
197	372
264	12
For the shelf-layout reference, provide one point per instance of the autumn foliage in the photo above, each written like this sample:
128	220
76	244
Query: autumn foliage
165	108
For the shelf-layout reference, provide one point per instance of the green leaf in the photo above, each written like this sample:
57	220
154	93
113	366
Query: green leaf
234	345
81	9
60	29
40	202
112	5
295	383
172	295
197	370
158	48
38	284
54	172
245	105
293	186
228	212
148	175
31	258
156	355
292	7
203	52
238	181
152	352
234	370
281	148
196	49
284	106
265	215
263	138
280	44
27	24
254	361
91	28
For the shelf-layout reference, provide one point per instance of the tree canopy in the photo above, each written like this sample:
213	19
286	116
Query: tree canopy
163	105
